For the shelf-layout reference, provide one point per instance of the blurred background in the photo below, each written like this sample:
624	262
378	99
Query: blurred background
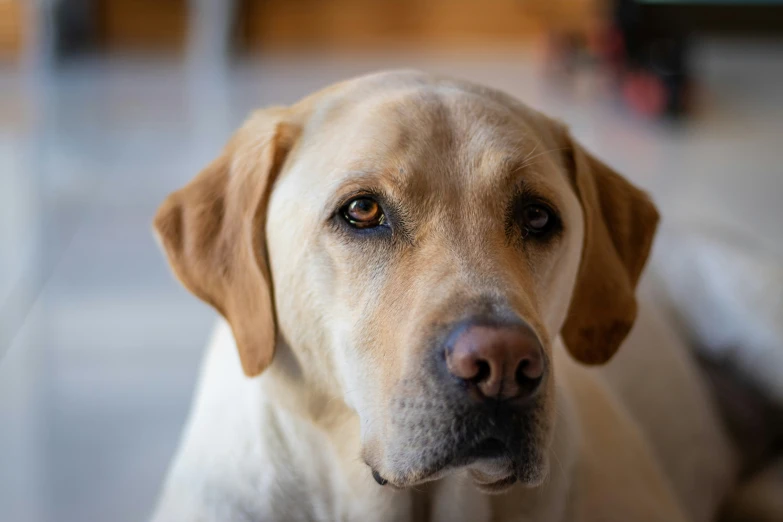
108	105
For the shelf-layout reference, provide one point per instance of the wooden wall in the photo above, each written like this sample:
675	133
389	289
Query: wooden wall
275	24
162	25
142	24
12	26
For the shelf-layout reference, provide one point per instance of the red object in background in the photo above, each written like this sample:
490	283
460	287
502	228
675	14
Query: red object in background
645	93
612	47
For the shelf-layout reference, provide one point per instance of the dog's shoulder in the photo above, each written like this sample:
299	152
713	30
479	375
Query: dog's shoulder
206	495
656	379
241	456
206	486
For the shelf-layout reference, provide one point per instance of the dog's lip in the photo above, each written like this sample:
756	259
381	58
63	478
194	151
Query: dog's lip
493	475
498	481
488	448
487	484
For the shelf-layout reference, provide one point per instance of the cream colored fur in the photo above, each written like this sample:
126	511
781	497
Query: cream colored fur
636	440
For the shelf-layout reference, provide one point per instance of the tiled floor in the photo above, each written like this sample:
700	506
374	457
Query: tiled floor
99	345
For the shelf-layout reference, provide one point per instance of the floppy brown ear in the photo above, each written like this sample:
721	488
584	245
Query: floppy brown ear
213	234
620	222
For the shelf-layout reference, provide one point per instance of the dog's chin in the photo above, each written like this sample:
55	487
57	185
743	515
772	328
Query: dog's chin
489	476
494	476
494	483
490	465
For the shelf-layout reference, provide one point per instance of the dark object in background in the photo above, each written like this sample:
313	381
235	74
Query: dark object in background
650	42
650	61
753	419
74	27
646	45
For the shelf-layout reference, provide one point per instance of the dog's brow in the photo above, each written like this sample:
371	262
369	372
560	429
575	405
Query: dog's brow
508	170
358	181
513	166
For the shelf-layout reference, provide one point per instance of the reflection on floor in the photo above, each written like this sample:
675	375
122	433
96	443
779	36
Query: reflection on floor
100	345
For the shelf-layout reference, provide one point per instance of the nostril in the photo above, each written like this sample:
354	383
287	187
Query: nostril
483	373
528	376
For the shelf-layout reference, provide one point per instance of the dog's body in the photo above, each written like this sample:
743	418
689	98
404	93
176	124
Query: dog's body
419	318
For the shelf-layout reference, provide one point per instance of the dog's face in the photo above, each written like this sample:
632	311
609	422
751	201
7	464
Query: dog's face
415	245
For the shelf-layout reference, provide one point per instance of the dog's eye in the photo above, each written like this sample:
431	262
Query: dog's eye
537	219
363	212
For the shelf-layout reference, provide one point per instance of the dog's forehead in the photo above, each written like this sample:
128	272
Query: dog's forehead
424	127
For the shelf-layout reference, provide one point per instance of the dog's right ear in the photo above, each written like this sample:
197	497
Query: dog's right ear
213	233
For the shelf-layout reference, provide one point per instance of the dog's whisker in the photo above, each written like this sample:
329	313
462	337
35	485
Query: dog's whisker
532	151
559	464
530	160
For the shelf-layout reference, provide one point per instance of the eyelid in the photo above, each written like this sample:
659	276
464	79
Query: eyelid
338	200
527	193
394	217
353	184
346	199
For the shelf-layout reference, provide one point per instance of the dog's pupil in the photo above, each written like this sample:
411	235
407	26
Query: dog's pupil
363	209
537	217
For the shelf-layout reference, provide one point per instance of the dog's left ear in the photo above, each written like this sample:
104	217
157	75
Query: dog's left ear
620	222
213	232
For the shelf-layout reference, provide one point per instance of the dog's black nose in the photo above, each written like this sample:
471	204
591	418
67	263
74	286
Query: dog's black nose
499	362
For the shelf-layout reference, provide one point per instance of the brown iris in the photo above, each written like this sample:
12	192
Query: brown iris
536	219
364	212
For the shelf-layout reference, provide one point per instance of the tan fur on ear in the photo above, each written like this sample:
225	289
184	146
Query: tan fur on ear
213	232
620	223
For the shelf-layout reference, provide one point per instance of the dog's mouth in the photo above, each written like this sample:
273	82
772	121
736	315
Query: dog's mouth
496	446
490	448
491	453
491	465
490	462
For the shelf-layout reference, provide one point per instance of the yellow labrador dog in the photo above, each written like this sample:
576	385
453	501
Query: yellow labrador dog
418	277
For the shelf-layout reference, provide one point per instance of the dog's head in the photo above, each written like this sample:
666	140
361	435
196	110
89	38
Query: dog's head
414	245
